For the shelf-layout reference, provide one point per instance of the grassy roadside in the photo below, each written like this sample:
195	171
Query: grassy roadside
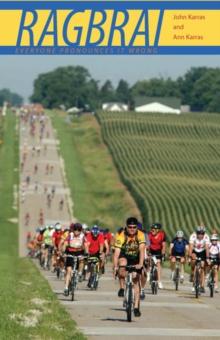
96	189
29	309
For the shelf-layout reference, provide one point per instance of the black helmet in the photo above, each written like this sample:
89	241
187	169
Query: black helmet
132	221
156	226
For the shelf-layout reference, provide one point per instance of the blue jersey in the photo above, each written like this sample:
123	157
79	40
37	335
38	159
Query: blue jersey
179	246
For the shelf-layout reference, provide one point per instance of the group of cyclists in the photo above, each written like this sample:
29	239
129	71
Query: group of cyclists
131	245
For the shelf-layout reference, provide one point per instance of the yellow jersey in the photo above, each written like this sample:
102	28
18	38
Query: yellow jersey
129	245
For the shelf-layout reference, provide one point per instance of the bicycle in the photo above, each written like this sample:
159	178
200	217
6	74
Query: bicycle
94	268
128	302
197	273
153	275
211	277
74	276
176	277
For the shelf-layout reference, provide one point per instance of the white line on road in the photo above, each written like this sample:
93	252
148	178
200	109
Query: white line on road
150	331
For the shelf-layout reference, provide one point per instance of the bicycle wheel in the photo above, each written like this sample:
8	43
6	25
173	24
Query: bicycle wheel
154	282
197	284
177	274
72	290
58	272
211	284
129	303
96	281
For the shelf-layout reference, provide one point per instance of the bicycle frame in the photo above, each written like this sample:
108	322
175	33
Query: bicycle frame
176	278
74	276
211	278
128	302
94	267
197	276
153	275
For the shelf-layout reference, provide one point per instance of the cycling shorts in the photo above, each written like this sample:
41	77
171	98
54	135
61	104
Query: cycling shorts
157	253
175	253
69	260
201	254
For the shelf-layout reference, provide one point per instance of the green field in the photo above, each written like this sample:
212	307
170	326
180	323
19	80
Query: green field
98	195
29	309
170	164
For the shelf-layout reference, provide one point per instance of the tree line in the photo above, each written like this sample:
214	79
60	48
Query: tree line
10	97
71	86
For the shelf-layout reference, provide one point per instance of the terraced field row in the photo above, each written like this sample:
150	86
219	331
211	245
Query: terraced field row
170	163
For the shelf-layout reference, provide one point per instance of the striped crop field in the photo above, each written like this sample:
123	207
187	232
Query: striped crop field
170	164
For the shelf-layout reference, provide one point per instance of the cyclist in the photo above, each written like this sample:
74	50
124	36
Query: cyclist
75	245
214	256
178	247
57	237
199	248
48	243
157	247
130	250
95	241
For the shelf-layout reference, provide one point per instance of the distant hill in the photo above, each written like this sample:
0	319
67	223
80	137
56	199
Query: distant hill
171	165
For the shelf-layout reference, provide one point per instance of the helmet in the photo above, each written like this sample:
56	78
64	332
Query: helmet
140	226
71	226
179	234
156	226
58	226
77	226
200	230
214	237
51	226
95	230
84	226
132	221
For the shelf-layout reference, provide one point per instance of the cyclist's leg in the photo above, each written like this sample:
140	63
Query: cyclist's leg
182	263
159	269
202	274
172	266
122	272
136	281
216	268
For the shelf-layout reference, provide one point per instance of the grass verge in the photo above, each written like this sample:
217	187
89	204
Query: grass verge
98	195
29	309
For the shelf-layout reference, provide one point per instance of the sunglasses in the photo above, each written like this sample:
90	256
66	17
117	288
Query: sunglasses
132	227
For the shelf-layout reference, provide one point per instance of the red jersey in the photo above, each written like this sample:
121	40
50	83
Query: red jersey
157	240
94	242
108	237
57	236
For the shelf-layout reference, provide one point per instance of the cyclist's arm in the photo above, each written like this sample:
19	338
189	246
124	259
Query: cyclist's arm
107	247
116	257
171	247
141	254
207	250
190	249
163	250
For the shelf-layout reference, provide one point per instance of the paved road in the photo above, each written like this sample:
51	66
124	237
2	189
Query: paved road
50	174
100	314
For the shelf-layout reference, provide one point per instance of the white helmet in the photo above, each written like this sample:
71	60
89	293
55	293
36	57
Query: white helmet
58	226
179	233
84	226
214	237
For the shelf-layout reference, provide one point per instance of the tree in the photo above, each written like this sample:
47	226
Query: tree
123	93
107	92
156	87
69	86
12	98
